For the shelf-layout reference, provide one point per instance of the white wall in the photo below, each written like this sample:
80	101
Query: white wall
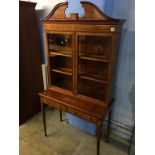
46	5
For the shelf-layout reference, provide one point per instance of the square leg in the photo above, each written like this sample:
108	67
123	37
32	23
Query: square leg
44	117
98	135
60	115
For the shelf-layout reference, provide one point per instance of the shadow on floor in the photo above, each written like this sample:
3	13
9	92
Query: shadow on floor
114	141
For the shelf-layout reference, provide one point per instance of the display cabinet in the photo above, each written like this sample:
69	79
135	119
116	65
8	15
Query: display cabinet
81	54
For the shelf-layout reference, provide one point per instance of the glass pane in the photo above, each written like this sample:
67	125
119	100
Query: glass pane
61	62
93	62
60	52
92	78
96	47
60	42
61	80
87	67
92	89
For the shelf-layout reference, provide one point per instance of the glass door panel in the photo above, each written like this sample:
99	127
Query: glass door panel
93	62
60	60
60	44
97	48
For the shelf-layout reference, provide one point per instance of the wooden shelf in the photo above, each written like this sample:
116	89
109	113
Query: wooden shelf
63	84
59	48
53	87
94	77
66	71
94	57
60	53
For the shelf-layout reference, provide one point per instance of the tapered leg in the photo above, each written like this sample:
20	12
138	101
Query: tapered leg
98	136
109	123
44	117
60	115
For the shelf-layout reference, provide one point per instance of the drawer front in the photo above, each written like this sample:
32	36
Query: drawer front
63	107
69	110
50	102
81	115
44	100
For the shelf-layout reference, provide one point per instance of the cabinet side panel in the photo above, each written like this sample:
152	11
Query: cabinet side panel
30	76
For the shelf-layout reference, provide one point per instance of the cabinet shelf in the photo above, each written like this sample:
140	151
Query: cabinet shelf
93	77
60	53
94	57
59	48
66	71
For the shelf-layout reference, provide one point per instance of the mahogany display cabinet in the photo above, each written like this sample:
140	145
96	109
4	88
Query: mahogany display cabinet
81	54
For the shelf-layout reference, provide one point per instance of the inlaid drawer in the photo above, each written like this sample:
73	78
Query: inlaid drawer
44	100
63	107
86	116
81	114
68	109
54	104
50	102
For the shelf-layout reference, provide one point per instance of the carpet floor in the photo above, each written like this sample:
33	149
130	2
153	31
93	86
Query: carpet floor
62	139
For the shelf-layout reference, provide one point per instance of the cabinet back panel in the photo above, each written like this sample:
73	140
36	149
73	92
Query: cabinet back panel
60	42
92	89
62	81
90	67
61	62
95	45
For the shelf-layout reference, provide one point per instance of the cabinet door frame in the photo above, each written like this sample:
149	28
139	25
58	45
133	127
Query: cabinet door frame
48	57
113	43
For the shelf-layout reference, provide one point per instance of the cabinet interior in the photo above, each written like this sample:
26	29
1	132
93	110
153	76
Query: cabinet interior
92	57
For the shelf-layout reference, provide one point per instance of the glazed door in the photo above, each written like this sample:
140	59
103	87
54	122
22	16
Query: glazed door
93	53
60	64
